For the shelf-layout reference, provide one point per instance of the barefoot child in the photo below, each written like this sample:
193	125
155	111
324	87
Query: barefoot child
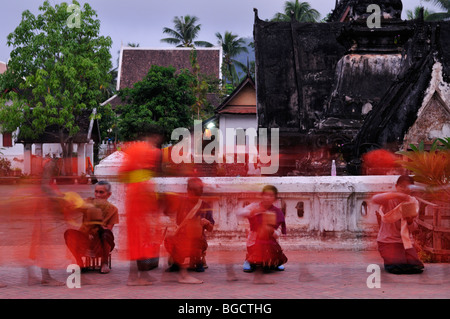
397	214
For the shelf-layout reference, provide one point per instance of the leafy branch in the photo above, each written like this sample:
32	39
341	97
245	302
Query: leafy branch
431	168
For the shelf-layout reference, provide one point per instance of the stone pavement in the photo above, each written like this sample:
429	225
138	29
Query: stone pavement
308	275
311	273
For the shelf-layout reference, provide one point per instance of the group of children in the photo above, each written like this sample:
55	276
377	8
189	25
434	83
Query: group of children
186	239
396	218
267	222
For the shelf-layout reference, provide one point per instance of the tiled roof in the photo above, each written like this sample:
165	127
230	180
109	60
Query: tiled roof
135	62
237	103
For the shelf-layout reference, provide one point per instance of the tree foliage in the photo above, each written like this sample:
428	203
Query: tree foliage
415	13
301	12
437	16
56	72
185	32
164	98
432	167
201	86
232	46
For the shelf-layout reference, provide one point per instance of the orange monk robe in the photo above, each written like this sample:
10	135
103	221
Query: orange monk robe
143	230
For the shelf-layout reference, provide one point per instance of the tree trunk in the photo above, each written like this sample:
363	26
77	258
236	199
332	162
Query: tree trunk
67	150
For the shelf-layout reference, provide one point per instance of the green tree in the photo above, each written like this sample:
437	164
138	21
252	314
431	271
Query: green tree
60	70
201	87
250	69
232	46
326	18
185	32
437	16
302	11
415	13
108	122
164	98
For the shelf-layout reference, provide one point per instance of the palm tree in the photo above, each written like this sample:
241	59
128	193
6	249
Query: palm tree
185	32
232	46
250	68
443	4
414	14
110	89
302	12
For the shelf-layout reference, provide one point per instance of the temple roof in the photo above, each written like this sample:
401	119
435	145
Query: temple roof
241	101
134	63
398	109
350	10
371	82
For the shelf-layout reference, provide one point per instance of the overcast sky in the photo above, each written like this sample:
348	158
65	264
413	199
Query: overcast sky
142	21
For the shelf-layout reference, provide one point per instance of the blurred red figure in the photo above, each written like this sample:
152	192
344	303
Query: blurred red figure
380	162
263	250
194	217
144	235
47	249
36	218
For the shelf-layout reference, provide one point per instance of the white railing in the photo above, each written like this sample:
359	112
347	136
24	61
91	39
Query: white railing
316	208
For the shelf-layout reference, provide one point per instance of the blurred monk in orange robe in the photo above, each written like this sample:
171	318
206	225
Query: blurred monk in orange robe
143	230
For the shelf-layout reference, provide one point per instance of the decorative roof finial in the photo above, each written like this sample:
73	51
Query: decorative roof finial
256	14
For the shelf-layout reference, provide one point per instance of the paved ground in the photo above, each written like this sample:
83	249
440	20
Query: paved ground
308	274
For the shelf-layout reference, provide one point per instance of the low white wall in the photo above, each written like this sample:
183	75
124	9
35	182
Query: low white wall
331	203
337	209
